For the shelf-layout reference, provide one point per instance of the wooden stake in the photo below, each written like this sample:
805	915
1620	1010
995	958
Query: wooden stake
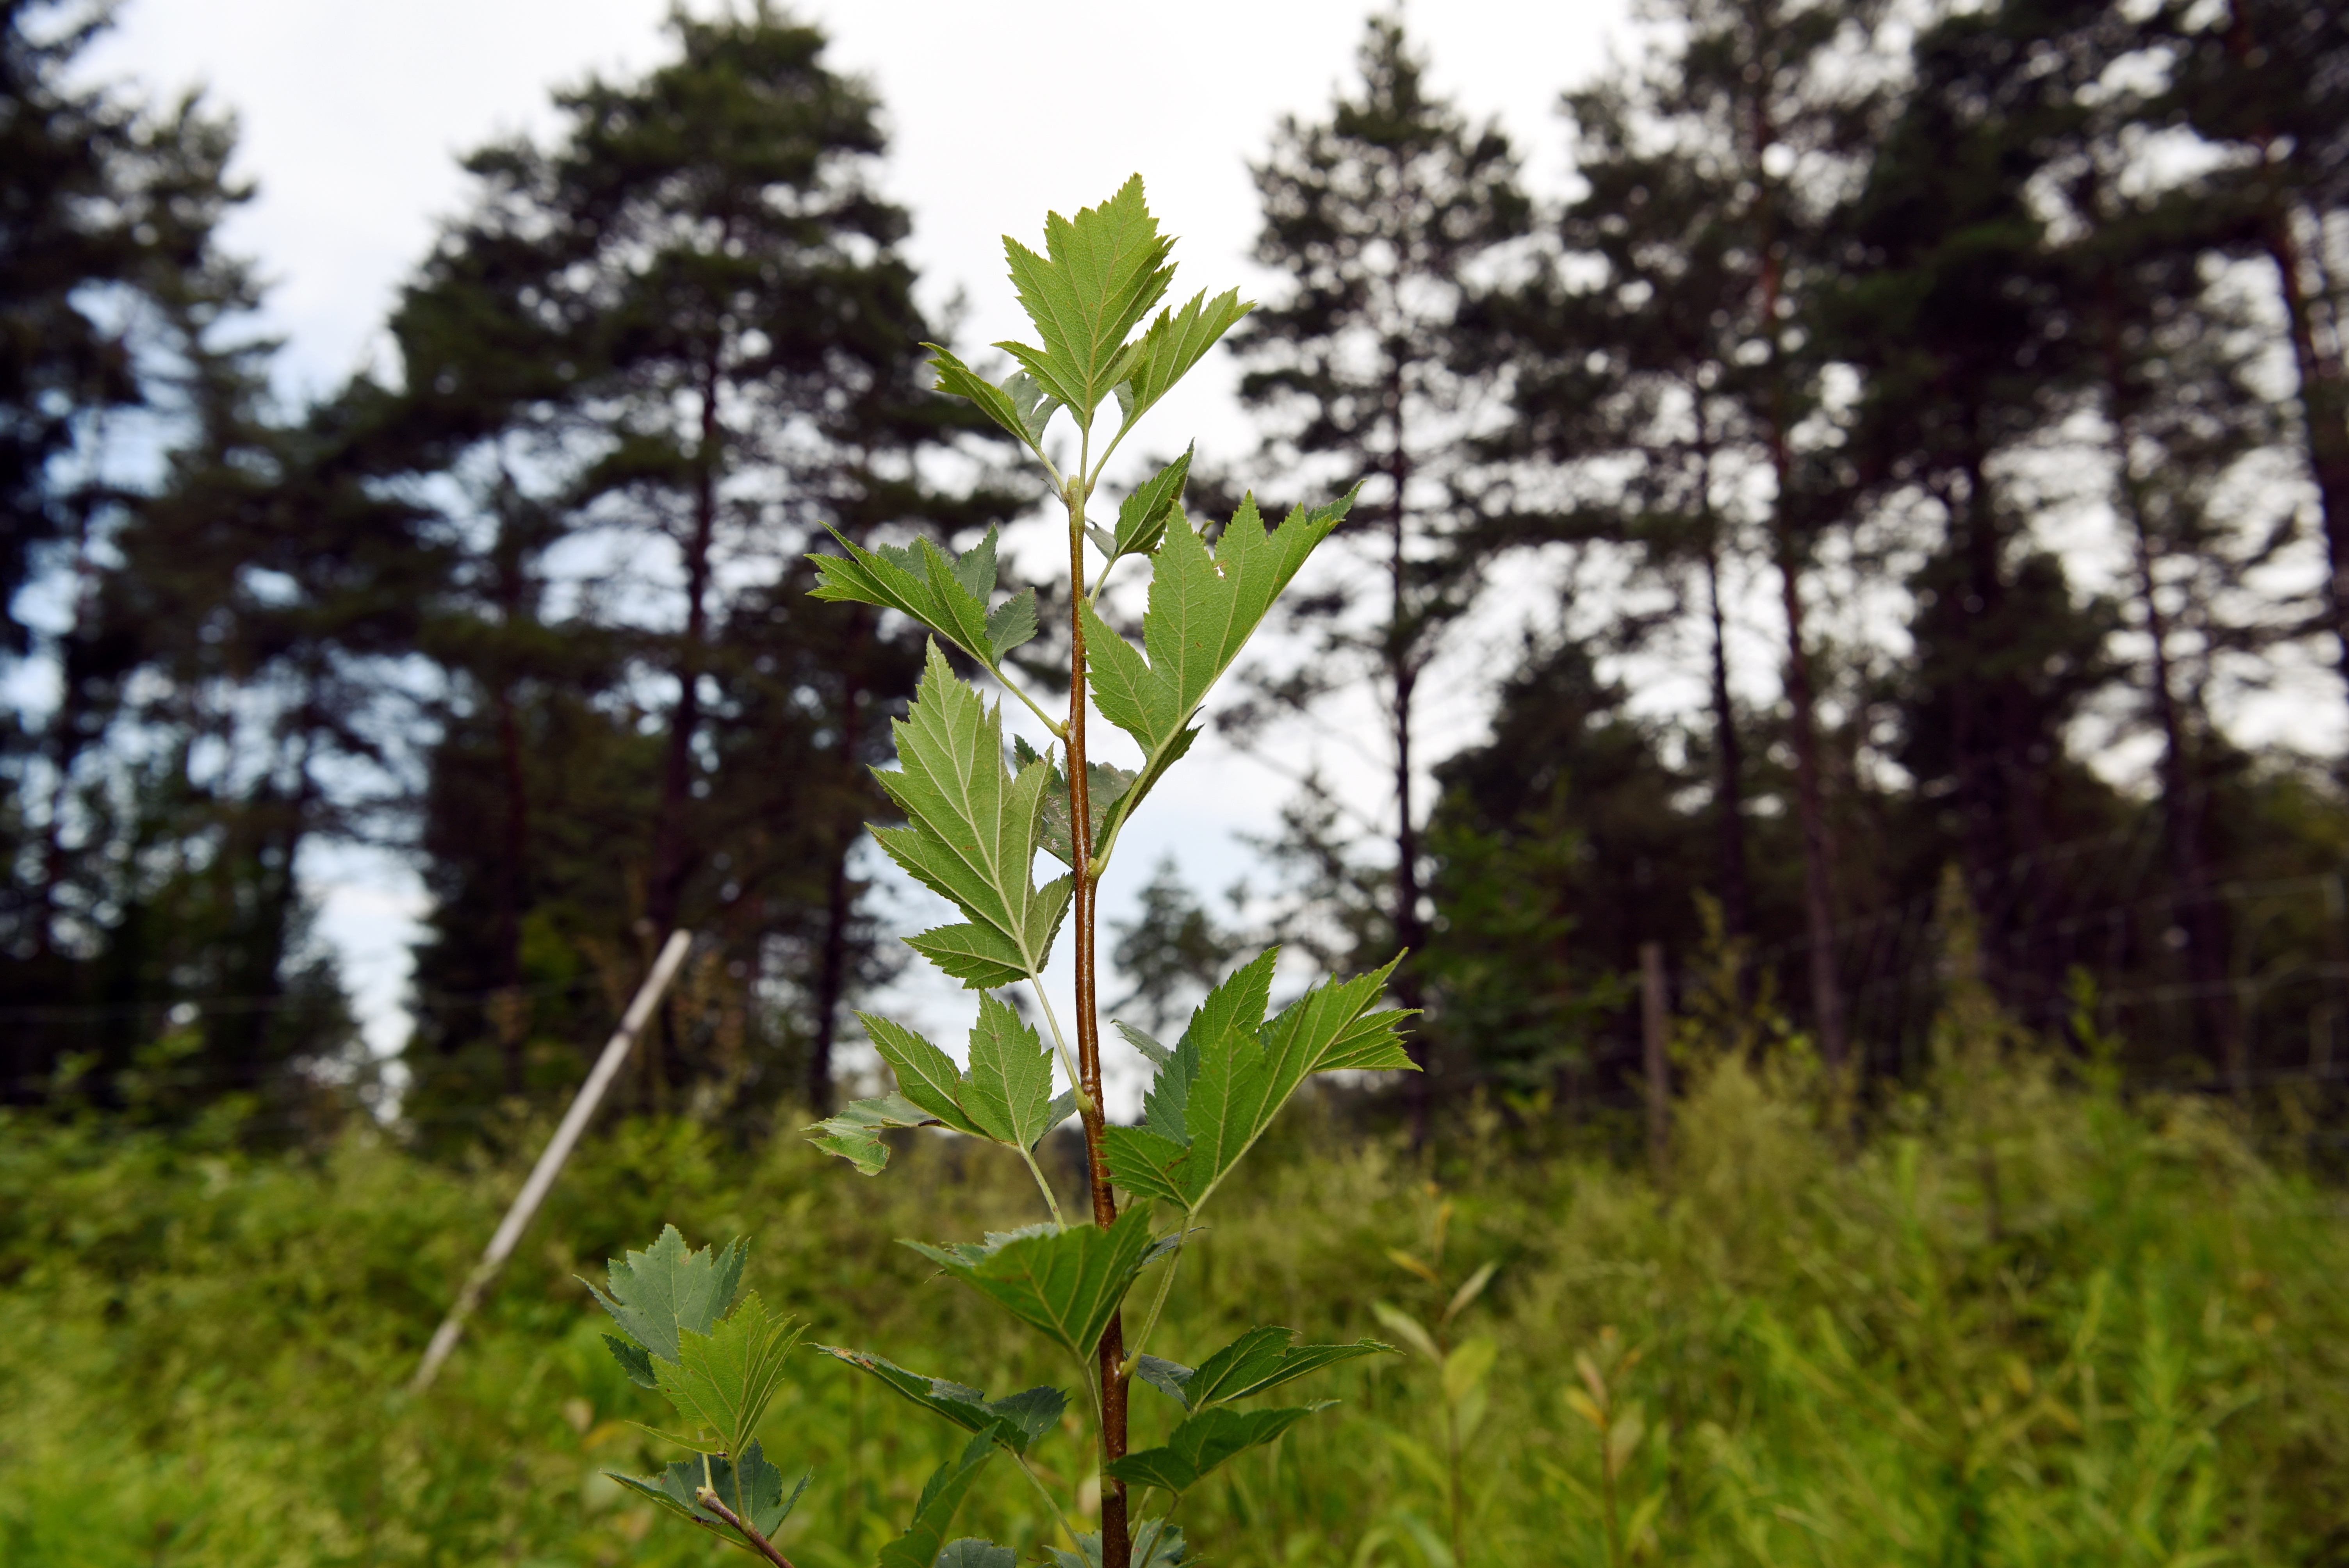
550	1161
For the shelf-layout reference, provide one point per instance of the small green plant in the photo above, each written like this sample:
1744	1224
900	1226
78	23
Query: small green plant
1619	1426
1461	1365
976	819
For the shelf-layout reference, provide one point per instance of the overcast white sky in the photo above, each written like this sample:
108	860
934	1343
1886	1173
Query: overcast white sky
353	116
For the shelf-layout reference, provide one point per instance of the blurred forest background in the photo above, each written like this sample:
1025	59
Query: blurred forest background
1918	442
1907	471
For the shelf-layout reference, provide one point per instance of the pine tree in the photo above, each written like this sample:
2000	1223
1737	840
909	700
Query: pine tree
2268	80
1950	306
687	327
1374	219
162	805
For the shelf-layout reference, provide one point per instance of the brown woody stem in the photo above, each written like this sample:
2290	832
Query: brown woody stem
764	1547
1117	1545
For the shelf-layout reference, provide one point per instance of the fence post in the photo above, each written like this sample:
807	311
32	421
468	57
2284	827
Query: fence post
550	1161
1654	1025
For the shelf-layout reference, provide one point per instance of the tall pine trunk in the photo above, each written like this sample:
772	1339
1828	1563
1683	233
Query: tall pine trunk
1810	799
1403	678
672	860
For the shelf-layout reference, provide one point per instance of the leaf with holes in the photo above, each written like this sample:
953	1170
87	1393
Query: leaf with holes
855	1133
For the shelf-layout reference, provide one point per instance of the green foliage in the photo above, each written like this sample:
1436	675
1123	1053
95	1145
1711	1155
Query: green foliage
719	1371
668	1291
1017	1422
1259	1359
1834	1349
1201	1442
1228	1077
970	834
1065	1283
941	1495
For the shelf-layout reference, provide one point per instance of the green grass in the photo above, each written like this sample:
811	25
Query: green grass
2023	1323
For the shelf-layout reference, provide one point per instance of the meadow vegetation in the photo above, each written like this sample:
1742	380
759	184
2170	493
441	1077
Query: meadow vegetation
2010	1317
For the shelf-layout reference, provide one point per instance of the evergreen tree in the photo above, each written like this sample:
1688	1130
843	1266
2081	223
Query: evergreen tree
1375	220
683	335
162	805
1951	308
1559	850
2268	82
1671	358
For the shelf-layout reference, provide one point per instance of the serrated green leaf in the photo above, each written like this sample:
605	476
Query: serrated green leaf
1010	409
1066	1282
1146	1163
1157	1544
754	1490
1370	1043
971	1551
1025	1415
666	1289
1142	516
1167	1376
1256	1351
855	1133
926	1075
1174	343
944	591
1098	276
726	1378
1063	1106
1264	1359
1008	1087
979	957
971	824
1238	1002
634	1360
1010	623
1201	1442
1244	1077
1202	609
919	1546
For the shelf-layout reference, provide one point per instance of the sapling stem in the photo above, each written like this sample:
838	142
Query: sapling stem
707	1498
1109	1355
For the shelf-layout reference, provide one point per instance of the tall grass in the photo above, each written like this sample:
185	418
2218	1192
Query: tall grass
2020	1321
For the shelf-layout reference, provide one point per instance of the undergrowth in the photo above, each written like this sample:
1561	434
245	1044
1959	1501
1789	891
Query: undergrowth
2019	1321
